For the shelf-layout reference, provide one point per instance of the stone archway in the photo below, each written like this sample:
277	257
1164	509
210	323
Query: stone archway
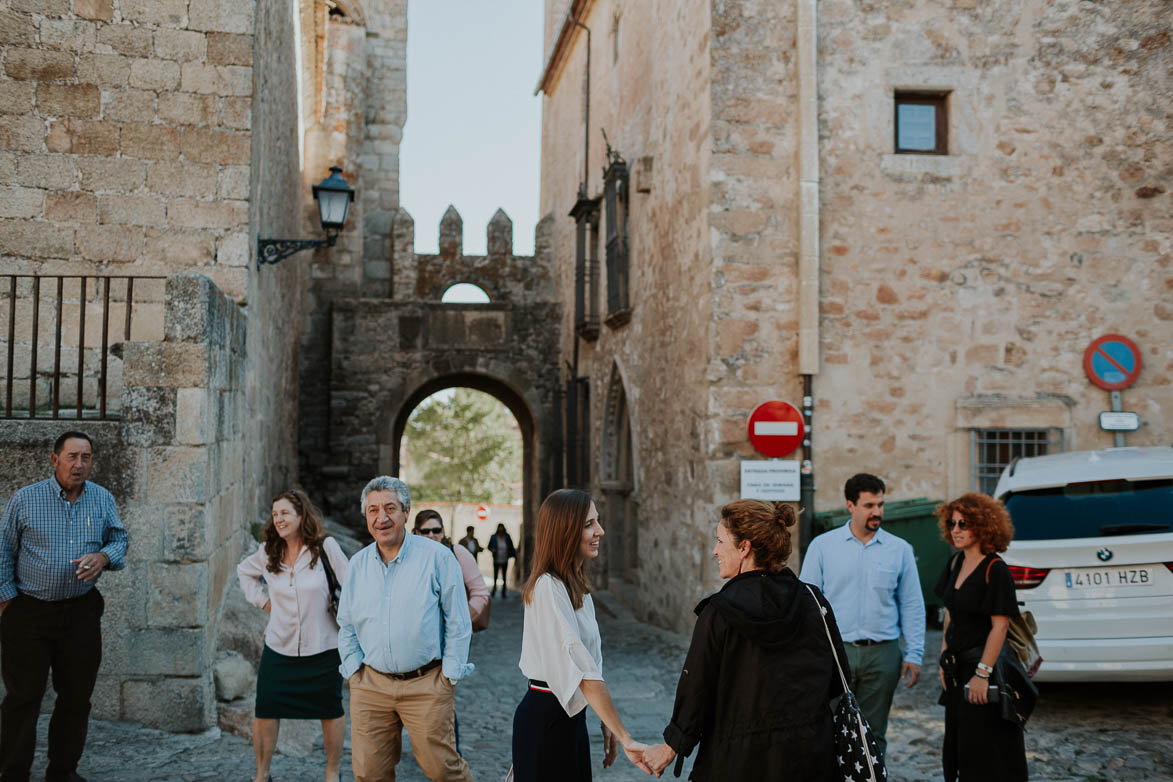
514	399
397	345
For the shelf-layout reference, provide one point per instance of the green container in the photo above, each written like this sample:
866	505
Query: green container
914	521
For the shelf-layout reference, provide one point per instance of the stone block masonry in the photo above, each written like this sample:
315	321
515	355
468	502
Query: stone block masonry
121	121
174	464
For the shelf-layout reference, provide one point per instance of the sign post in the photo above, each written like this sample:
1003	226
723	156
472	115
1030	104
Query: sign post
1113	362
482	513
775	429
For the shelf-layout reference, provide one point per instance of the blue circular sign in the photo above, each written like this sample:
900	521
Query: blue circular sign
1112	362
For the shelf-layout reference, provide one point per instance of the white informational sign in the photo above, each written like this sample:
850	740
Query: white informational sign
1116	421
775	480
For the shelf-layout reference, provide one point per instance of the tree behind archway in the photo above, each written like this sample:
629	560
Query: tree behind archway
462	446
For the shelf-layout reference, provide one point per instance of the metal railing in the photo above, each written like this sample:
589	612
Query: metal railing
105	288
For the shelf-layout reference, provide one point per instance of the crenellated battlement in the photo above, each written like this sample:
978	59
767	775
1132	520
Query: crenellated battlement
505	277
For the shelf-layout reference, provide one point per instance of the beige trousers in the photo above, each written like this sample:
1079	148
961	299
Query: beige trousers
380	707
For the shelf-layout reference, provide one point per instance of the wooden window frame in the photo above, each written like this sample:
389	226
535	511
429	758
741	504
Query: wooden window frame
938	100
586	267
616	212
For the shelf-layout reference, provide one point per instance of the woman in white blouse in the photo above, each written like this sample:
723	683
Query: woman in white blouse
298	677
561	652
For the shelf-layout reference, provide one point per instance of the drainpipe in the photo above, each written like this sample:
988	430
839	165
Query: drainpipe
586	99
808	241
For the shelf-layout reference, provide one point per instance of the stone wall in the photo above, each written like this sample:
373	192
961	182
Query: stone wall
650	94
175	464
957	291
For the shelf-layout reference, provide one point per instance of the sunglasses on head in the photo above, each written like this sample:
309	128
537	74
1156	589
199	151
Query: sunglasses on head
961	525
431	530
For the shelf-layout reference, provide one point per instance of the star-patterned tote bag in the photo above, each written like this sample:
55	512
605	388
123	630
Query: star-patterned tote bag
856	752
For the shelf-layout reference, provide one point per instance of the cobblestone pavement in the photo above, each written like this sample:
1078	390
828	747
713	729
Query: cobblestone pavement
1078	732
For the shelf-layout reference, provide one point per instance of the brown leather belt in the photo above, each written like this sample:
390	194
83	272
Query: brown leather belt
418	672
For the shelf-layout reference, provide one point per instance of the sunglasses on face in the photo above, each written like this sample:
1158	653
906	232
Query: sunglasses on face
434	530
961	525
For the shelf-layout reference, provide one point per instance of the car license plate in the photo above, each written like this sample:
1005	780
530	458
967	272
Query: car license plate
1110	577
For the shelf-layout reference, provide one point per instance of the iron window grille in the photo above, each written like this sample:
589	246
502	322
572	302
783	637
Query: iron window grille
922	123
586	266
615	200
992	450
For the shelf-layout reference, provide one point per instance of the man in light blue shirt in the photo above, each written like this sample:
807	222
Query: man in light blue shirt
869	576
404	630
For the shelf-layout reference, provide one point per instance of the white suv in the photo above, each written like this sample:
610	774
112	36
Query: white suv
1092	559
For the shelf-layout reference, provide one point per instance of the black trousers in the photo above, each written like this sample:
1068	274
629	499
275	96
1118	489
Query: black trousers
37	637
547	744
500	568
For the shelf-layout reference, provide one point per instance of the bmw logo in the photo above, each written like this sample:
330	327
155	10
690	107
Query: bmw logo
1104	554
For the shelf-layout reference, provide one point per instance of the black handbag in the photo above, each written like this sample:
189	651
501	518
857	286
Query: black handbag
856	751
332	585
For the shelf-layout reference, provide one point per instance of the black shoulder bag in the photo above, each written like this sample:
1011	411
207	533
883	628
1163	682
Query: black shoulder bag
856	751
332	584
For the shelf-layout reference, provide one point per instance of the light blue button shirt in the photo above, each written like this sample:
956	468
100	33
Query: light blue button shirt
400	616
873	588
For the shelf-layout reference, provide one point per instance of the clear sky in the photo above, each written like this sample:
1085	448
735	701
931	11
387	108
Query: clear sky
473	133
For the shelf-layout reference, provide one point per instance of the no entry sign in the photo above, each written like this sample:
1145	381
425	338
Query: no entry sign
775	428
482	513
1112	362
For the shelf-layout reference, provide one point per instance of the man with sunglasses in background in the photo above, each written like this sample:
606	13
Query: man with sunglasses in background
429	524
869	576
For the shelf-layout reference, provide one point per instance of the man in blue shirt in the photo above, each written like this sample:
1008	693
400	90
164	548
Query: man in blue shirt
869	576
404	630
56	538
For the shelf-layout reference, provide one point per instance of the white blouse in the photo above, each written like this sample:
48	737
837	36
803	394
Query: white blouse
559	645
299	624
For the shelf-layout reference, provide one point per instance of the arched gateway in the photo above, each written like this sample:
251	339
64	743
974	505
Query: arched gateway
390	352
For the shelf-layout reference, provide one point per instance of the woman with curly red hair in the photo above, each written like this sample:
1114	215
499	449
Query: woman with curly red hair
980	601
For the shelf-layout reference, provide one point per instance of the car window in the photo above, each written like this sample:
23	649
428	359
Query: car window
1092	509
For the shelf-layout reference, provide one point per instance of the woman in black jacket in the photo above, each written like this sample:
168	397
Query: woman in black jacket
757	683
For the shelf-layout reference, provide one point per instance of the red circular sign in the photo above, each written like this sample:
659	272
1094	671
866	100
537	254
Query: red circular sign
775	428
482	513
1112	362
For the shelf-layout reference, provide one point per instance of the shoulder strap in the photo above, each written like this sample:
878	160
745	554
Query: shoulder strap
331	579
830	642
993	559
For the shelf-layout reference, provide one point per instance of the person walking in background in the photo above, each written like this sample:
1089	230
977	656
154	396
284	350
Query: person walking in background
561	652
57	536
869	576
502	549
978	592
470	543
404	636
759	658
298	677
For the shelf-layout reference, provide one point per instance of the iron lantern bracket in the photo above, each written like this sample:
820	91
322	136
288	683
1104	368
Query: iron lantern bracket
276	250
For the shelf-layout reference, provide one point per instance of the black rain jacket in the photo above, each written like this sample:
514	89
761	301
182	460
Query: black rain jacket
757	683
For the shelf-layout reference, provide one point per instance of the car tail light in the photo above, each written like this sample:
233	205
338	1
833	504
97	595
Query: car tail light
1030	577
1170	566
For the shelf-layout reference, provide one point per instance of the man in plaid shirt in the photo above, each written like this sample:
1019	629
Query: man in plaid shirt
56	538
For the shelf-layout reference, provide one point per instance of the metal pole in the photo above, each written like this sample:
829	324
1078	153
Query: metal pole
105	348
806	484
33	363
57	352
81	344
11	344
1117	400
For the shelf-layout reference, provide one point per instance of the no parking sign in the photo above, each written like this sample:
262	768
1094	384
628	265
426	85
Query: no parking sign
1112	362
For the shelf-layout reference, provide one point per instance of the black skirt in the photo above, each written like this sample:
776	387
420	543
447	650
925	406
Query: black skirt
299	688
547	744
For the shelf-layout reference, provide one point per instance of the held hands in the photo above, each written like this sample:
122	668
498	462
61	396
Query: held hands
910	672
658	757
90	566
633	749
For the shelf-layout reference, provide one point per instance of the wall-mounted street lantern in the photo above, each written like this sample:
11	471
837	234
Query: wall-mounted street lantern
333	196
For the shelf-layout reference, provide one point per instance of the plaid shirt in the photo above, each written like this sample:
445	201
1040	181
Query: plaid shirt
41	533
